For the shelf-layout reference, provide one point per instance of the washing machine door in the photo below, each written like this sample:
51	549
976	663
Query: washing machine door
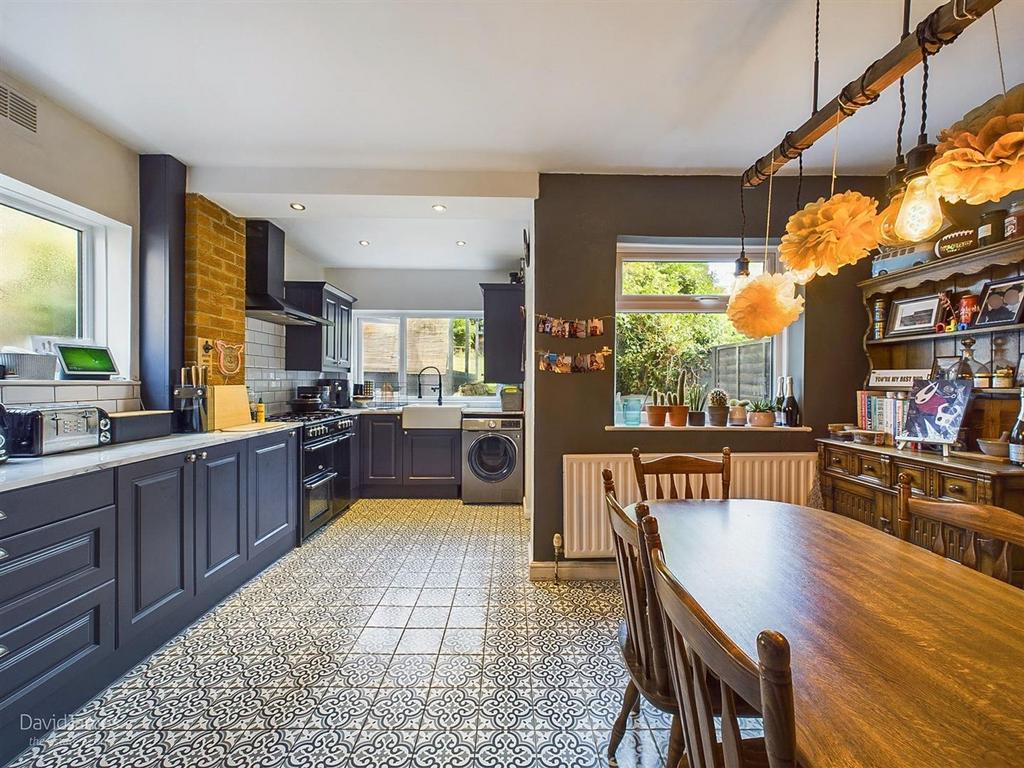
492	457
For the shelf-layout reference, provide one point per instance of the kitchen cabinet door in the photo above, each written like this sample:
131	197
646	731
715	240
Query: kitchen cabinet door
343	334
155	541
330	332
222	511
431	457
325	348
381	462
504	329
273	490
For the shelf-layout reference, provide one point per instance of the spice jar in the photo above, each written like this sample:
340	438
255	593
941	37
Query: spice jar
991	230
1013	226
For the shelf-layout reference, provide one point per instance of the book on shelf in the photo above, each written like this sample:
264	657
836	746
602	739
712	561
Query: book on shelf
883	412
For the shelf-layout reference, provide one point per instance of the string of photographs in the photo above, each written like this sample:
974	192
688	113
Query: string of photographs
580	362
570	329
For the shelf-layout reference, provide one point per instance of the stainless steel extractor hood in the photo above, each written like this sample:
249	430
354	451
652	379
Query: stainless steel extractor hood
264	277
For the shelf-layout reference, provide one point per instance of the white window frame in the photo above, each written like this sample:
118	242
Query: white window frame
106	271
382	315
696	303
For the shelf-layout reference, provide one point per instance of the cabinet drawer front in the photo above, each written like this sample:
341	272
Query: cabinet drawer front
38	505
48	566
918	477
837	461
44	653
871	468
957	487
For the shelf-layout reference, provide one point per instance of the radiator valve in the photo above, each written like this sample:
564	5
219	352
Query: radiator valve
556	541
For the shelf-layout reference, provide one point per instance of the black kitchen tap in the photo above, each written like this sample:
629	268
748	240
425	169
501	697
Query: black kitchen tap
419	383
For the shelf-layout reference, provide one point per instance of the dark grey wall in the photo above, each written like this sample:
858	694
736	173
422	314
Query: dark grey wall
577	221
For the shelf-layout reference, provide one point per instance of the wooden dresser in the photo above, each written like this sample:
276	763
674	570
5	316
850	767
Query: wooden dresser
860	481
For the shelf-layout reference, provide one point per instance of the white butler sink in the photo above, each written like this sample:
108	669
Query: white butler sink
431	416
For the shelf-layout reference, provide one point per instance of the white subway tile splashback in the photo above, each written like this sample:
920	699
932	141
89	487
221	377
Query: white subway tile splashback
15	395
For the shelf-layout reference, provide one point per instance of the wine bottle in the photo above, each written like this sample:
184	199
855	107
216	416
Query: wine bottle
780	398
1017	435
790	409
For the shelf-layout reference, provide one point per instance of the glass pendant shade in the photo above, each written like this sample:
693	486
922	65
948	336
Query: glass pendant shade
887	221
920	214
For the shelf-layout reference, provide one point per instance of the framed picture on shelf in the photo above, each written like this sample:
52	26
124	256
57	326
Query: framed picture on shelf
1018	378
1001	303
945	367
917	315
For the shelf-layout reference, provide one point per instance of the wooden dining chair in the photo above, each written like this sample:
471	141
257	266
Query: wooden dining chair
701	655
961	531
681	464
641	637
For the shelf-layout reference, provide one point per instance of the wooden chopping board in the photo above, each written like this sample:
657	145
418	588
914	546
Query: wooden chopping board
253	426
227	405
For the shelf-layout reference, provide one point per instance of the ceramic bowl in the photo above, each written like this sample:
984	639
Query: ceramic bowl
999	448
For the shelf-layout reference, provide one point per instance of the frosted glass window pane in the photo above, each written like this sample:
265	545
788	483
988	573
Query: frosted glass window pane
39	278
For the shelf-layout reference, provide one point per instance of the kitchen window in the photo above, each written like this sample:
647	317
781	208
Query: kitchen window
670	317
393	347
43	280
65	272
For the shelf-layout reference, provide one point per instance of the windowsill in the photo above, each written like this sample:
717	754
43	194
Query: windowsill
745	428
14	381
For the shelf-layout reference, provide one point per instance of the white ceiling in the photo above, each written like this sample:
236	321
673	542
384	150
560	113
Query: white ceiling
679	86
290	90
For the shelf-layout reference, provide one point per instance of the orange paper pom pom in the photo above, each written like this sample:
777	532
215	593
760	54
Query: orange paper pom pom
764	305
829	234
981	158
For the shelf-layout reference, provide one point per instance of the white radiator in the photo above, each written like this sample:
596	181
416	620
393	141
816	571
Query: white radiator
774	476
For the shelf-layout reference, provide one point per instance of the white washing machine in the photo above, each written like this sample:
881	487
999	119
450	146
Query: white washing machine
492	460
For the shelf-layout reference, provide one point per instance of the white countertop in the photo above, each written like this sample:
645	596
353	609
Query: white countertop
18	473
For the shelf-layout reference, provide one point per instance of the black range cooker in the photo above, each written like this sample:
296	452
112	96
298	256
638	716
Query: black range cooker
325	465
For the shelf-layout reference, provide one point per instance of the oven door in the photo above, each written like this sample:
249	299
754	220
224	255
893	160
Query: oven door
317	501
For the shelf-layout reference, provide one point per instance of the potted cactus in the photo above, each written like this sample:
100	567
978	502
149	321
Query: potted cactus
738	412
718	407
677	407
696	396
761	413
657	408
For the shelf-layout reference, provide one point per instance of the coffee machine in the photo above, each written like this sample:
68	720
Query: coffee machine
339	392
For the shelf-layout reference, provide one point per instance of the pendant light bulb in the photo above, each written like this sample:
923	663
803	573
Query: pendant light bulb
920	214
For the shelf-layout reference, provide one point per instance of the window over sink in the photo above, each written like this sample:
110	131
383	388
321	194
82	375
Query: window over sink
393	347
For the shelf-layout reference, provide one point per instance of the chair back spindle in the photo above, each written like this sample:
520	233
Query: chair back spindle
665	469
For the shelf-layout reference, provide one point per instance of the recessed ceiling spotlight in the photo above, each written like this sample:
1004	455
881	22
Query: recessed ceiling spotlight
364	243
297	206
439	207
460	243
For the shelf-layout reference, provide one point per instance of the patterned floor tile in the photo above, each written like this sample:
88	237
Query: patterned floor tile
342	654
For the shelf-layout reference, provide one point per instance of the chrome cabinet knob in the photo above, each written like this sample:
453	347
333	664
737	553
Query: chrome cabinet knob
3	651
3	554
203	454
191	458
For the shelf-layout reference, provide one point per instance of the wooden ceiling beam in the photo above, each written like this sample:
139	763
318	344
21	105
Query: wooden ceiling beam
952	18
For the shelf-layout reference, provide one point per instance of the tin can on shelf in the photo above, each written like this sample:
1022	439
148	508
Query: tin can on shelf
1013	225
991	230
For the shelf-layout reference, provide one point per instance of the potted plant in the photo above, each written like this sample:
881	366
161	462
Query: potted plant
761	413
676	411
696	396
738	412
718	407
656	409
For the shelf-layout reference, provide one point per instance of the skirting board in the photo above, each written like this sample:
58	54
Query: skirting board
574	570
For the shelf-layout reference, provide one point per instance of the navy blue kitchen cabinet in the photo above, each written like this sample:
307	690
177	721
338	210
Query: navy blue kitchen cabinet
222	513
431	457
156	542
355	457
505	328
381	438
57	598
273	491
326	348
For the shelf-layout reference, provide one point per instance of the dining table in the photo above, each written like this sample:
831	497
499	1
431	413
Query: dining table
900	657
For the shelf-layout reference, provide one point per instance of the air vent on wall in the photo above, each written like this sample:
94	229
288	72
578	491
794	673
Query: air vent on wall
18	109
